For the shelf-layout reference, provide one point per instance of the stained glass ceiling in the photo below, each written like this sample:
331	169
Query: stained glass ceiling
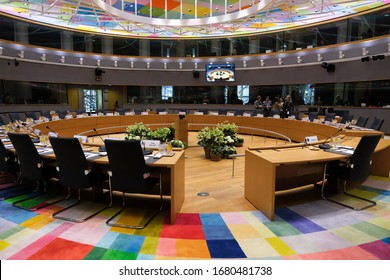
183	18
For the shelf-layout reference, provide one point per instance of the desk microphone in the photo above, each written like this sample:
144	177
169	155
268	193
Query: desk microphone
101	148
326	146
47	127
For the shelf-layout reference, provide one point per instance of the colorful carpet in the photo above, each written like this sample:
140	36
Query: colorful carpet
313	230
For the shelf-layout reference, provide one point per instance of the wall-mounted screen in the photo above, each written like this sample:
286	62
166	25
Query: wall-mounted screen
220	72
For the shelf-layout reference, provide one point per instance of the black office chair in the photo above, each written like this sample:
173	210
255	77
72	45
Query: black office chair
355	169
46	114
17	116
8	169
32	115
127	171
62	114
329	117
32	168
74	173
313	116
5	118
377	124
362	121
346	118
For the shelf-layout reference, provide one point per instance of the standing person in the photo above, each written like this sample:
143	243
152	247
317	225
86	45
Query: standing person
258	103
267	106
288	107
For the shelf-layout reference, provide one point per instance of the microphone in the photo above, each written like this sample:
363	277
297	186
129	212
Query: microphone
101	148
326	146
47	127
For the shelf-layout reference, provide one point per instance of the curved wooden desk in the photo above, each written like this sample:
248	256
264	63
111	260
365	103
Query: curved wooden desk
294	129
296	166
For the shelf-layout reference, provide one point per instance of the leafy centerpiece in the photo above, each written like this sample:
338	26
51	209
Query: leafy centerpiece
220	141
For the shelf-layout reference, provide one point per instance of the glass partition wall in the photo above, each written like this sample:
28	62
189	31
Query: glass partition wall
373	93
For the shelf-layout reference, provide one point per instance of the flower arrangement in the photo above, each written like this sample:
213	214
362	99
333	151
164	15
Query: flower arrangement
227	128
163	134
137	131
178	144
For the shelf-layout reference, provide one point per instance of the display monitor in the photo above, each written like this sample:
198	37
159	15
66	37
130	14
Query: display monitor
220	72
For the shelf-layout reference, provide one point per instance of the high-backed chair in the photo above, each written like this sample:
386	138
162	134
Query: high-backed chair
329	117
346	118
362	121
313	115
377	124
32	168
46	114
5	118
7	168
15	116
355	169
62	114
74	173
31	114
128	174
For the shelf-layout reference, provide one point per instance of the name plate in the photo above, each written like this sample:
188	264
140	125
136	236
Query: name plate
230	114
182	113
82	138
246	115
109	114
144	113
198	113
163	113
310	139
150	144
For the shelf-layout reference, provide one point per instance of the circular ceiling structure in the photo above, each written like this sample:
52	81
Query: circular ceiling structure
184	19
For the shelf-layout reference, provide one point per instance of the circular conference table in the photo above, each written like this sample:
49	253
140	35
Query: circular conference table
288	165
293	129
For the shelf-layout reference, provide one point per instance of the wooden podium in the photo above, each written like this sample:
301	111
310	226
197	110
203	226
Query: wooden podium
181	130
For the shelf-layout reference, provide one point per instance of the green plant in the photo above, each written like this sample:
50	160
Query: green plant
228	128
164	134
137	131
178	144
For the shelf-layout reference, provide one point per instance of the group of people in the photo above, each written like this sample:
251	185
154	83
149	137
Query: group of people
282	107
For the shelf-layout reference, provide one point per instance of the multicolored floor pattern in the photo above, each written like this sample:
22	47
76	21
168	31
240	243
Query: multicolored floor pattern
313	230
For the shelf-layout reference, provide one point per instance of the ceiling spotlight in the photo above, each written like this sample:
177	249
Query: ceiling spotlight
165	65
365	51
341	54
98	62
280	61
299	59
21	54
148	65
262	62
62	59
1	50
43	57
196	65
244	63
115	63
81	61
319	57
132	64
180	65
